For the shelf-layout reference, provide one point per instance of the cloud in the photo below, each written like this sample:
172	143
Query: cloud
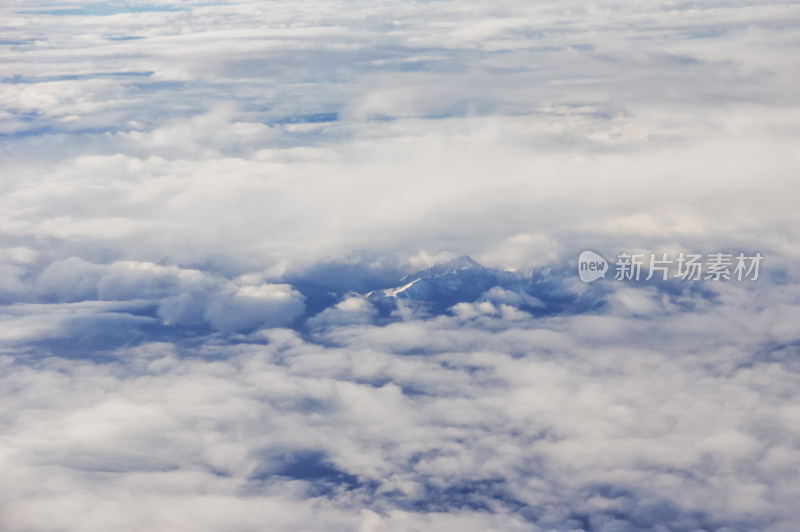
252	306
196	199
600	128
25	322
353	310
530	422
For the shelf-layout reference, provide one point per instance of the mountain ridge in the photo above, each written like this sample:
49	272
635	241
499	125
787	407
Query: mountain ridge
464	280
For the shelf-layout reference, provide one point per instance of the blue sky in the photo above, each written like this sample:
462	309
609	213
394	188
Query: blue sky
197	199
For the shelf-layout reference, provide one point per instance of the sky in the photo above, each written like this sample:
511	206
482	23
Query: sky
233	294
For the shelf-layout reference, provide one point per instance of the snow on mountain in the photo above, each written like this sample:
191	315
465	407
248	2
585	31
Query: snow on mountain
462	279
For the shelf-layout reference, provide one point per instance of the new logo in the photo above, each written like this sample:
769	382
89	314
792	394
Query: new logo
591	266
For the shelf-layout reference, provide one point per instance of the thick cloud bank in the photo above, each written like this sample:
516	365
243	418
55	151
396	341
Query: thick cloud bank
677	420
235	292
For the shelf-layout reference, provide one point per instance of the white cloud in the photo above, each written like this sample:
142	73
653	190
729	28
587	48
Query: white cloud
519	420
177	184
353	310
246	307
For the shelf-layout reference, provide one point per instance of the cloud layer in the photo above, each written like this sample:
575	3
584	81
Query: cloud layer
512	424
197	197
